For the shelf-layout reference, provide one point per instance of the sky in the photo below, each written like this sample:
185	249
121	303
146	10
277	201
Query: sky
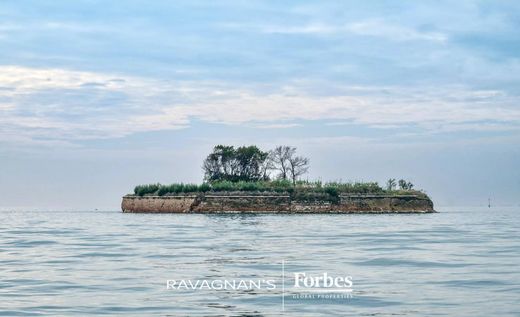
99	96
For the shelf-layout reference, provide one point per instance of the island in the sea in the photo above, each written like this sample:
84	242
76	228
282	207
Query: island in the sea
241	180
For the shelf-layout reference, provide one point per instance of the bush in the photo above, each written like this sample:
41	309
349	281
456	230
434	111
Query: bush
334	189
190	188
163	190
205	187
281	185
176	188
358	187
223	186
260	186
142	190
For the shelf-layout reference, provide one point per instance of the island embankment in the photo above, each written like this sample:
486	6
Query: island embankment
253	202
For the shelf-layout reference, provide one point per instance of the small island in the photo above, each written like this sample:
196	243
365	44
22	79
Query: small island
248	180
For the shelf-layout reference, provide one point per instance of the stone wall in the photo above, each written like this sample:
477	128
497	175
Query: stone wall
244	203
276	203
157	203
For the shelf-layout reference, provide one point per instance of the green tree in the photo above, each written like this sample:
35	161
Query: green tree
226	163
249	162
404	185
220	164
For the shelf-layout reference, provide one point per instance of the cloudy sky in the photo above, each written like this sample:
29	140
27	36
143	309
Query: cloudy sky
97	96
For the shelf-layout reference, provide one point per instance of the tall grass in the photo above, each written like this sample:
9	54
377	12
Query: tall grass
142	190
160	190
334	189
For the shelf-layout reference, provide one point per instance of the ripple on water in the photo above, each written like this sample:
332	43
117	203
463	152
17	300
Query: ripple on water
110	263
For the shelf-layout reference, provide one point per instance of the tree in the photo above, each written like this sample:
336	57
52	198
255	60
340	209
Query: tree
298	165
267	166
404	185
220	164
244	163
249	162
280	156
390	184
284	160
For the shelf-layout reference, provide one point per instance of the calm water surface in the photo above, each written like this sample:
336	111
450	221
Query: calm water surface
460	262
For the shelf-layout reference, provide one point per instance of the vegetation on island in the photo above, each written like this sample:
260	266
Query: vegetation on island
247	168
250	164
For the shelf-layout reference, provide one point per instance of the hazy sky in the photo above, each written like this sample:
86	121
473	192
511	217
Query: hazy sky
98	96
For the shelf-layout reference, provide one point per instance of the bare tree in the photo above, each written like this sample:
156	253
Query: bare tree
390	184
284	160
267	166
298	165
280	157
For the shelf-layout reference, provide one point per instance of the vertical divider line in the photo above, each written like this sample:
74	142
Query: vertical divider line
283	285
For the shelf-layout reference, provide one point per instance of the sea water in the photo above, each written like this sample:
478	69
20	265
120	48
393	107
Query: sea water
458	262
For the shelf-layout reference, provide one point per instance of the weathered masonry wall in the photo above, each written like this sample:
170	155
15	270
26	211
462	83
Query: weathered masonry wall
157	203
277	203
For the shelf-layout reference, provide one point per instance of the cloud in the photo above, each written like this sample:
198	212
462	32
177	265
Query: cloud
379	28
43	105
278	126
302	29
371	27
72	105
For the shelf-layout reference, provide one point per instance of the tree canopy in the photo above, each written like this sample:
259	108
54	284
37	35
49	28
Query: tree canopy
249	163
227	163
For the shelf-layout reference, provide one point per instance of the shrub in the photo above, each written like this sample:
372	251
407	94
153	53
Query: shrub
142	190
204	187
332	191
252	186
222	186
281	185
190	188
358	187
163	190
177	188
